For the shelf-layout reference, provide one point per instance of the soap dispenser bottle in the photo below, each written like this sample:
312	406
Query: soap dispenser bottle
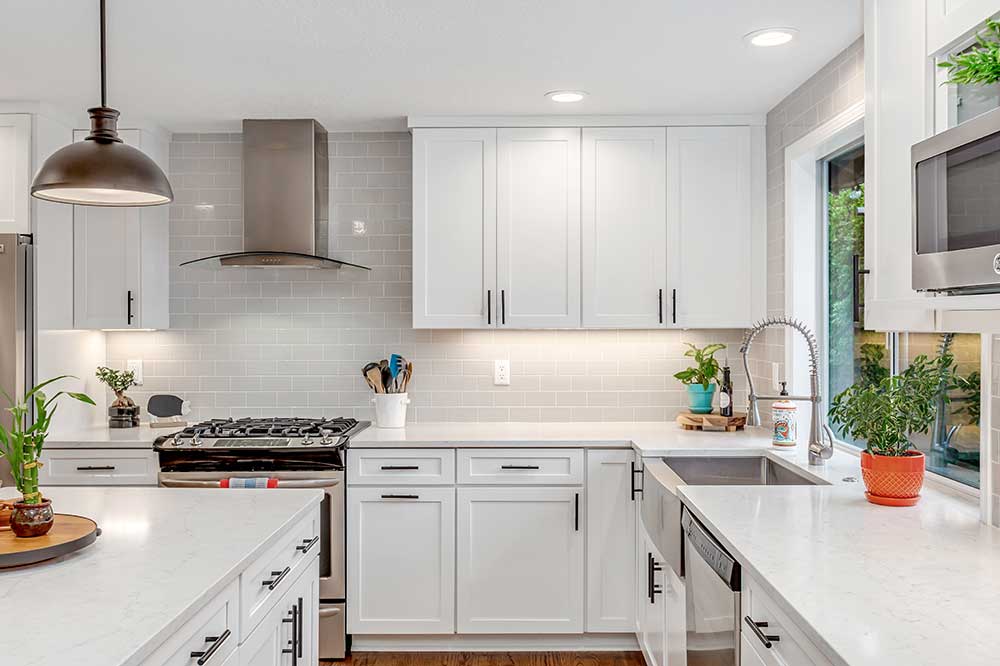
784	415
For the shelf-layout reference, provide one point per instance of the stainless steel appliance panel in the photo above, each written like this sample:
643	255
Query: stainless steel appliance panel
712	586
17	323
332	630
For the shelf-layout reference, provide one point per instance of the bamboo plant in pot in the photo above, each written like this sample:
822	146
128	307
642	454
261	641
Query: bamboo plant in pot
885	415
701	378
21	444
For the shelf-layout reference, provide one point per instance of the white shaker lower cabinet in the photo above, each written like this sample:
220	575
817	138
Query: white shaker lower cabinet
454	228
715	233
610	541
624	228
289	628
650	605
401	560
520	560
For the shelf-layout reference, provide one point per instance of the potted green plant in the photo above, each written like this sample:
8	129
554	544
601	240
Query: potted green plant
978	65
21	444
885	415
123	412
702	377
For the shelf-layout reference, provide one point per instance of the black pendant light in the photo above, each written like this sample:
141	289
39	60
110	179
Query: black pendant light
101	170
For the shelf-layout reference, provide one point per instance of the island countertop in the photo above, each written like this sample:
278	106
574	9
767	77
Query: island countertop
161	555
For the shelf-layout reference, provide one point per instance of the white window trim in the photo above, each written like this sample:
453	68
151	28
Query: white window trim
805	286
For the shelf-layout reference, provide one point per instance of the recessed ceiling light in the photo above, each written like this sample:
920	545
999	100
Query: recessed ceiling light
566	96
770	36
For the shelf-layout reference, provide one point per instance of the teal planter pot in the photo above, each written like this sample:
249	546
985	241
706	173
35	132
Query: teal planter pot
700	398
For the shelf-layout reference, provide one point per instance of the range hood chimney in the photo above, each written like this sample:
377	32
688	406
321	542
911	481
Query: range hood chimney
285	211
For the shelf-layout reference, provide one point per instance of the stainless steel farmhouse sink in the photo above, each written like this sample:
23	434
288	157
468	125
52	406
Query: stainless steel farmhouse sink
735	471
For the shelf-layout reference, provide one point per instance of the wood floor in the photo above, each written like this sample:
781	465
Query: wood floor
490	659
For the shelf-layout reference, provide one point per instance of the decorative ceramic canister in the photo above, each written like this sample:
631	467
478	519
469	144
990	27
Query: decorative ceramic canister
784	414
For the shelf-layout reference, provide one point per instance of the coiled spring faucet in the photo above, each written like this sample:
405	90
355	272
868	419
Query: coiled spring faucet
820	435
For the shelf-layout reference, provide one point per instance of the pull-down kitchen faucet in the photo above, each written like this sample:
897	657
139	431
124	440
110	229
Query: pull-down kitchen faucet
819	450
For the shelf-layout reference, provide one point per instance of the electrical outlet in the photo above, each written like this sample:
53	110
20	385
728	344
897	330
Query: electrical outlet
501	373
136	367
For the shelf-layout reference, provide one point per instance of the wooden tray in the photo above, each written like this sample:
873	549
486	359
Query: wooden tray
690	421
68	533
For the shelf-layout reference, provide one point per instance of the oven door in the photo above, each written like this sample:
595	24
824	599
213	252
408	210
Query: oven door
956	205
332	567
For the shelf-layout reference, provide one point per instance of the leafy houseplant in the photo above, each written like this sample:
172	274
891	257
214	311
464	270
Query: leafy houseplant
21	444
123	412
699	378
884	415
978	65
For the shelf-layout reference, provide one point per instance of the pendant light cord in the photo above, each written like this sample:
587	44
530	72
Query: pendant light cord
104	66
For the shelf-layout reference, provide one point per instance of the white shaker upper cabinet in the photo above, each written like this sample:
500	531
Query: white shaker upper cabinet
15	173
454	228
624	228
538	227
710	224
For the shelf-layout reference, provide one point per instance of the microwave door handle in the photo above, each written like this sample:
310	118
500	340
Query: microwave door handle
282	483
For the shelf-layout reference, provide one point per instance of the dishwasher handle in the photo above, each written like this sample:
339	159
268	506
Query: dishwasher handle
711	551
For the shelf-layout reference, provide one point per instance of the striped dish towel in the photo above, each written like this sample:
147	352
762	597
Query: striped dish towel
249	482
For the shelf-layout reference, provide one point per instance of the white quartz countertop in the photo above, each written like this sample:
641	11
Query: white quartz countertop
103	437
162	554
872	585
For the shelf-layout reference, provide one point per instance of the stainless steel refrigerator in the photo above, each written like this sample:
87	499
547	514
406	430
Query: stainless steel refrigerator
17	325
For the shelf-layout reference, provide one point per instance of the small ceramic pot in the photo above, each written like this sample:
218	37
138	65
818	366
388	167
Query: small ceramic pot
700	398
893	480
31	520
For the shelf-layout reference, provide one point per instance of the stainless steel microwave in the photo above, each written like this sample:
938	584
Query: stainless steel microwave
956	208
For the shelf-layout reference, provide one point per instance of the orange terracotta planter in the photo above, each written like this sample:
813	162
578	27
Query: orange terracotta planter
893	480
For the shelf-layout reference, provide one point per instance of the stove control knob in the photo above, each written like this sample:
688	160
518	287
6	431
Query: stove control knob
176	441
326	441
306	440
196	439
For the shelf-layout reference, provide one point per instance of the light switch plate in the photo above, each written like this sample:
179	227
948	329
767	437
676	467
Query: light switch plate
136	367
501	373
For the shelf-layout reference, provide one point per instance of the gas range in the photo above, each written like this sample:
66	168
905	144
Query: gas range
284	434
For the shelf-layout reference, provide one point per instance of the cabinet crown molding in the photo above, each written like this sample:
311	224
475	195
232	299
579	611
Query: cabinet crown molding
666	120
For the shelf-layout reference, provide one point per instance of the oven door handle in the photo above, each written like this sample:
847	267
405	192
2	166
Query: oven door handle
282	483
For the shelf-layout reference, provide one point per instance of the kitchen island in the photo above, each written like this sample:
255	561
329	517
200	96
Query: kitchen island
165	573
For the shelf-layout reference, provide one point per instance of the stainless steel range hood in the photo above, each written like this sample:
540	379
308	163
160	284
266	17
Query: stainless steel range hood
286	222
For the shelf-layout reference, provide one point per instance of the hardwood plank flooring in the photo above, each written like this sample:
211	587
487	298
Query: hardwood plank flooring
490	659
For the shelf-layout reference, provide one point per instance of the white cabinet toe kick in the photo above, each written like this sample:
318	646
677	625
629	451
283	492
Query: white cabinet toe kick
491	549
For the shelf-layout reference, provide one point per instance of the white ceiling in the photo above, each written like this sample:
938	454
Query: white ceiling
205	64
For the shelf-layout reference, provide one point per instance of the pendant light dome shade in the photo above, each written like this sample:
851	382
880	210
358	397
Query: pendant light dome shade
102	170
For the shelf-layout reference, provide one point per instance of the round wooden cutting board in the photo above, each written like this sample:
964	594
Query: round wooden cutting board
68	533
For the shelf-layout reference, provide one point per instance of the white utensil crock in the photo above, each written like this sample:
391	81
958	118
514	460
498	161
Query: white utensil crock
390	409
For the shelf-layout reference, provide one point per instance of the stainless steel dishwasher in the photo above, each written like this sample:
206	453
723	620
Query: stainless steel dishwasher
712	590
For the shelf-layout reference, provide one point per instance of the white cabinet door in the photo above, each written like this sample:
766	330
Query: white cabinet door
624	227
288	628
651	607
454	228
120	274
709	223
520	560
538	227
15	173
610	542
401	560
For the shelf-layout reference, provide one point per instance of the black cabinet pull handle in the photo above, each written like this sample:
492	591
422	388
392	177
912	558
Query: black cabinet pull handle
489	307
659	305
95	468
397	468
129	303
296	621
673	305
400	496
503	307
307	544
764	638
299	644
274	582
576	512
634	489
518	466
857	272
652	566
216	643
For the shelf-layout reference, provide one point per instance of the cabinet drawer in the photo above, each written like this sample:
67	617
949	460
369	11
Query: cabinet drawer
98	467
792	648
543	467
212	629
265	580
412	467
